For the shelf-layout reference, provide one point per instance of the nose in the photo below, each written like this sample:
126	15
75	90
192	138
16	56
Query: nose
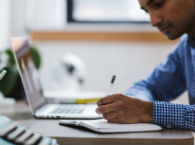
155	19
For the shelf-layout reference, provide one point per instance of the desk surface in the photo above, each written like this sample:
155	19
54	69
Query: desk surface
73	135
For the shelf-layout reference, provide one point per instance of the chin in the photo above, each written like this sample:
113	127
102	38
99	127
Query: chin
173	37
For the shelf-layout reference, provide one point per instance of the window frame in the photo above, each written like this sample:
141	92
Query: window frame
70	19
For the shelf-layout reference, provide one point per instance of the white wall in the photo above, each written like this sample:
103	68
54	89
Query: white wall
30	14
18	14
5	23
46	13
129	61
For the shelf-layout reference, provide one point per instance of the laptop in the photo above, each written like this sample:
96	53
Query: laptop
40	108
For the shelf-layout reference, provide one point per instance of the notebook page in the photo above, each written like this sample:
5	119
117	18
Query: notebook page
103	124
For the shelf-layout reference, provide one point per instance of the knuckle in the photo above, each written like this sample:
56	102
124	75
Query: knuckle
102	109
101	101
120	103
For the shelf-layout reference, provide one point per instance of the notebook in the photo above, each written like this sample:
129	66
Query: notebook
33	89
103	126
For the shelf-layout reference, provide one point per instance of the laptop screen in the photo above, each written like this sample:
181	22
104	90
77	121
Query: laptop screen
28	73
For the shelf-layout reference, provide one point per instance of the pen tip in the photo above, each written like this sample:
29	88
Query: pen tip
113	79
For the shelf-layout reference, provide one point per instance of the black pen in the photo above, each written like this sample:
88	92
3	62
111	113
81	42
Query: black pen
111	84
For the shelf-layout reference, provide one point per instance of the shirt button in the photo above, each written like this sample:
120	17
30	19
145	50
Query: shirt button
168	126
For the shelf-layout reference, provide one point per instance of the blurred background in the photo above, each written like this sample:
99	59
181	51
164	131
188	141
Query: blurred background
82	43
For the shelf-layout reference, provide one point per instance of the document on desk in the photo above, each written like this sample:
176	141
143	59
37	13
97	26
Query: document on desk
103	126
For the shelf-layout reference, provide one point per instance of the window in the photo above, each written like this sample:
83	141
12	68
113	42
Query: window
98	11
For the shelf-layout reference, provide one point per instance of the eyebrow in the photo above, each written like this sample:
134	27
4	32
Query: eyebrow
148	3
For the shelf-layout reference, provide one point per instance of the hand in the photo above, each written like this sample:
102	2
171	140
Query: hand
118	108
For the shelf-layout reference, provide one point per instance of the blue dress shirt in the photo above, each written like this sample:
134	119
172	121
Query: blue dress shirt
169	80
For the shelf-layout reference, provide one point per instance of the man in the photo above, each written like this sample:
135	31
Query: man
147	101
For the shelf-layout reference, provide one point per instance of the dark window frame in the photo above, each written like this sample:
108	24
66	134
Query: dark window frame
70	19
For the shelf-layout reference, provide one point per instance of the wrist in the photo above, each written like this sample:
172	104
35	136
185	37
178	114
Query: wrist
147	112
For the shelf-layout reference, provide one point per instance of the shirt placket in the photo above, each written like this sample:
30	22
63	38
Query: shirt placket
193	74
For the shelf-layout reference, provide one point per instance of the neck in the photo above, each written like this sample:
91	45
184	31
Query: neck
192	30
192	33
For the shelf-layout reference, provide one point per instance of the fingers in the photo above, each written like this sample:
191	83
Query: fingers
108	99
117	108
114	120
105	100
110	115
105	108
108	103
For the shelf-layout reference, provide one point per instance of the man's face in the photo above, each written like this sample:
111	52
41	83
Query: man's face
171	17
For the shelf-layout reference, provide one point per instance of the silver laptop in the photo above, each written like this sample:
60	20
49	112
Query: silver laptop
34	93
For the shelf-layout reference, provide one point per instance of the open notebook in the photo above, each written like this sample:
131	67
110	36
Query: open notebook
103	126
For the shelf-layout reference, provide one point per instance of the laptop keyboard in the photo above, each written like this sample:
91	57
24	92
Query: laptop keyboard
68	110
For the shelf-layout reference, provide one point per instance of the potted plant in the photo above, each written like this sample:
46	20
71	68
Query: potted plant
11	85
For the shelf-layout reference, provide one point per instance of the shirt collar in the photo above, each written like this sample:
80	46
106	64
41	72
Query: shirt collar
191	42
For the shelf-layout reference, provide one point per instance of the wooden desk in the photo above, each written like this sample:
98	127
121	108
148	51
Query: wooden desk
74	136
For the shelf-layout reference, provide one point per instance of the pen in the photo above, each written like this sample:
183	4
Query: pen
2	74
111	84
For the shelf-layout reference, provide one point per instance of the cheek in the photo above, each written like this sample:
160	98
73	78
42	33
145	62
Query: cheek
174	19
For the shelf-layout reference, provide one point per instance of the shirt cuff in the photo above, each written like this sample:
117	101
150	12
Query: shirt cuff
169	115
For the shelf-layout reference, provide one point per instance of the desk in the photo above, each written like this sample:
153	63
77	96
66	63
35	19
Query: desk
74	136
19	111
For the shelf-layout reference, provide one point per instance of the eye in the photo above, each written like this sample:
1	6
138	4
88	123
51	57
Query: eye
158	4
146	11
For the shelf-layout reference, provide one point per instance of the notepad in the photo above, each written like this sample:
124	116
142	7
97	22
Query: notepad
103	126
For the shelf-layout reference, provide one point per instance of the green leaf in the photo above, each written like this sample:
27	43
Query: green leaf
11	59
36	56
9	81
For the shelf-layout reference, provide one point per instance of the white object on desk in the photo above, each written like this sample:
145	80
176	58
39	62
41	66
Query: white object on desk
6	104
103	126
